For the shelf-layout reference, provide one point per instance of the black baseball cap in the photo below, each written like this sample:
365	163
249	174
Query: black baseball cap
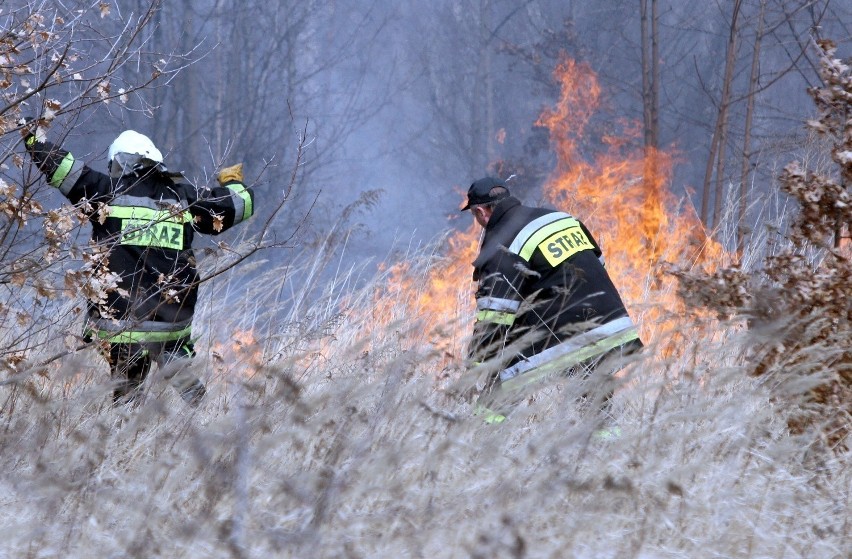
480	192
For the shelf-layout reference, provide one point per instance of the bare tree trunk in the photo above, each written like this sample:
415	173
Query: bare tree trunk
481	138
721	152
651	110
708	171
655	72
222	82
717	144
490	152
160	131
650	71
749	116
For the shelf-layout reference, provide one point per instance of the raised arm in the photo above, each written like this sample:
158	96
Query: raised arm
223	206
63	171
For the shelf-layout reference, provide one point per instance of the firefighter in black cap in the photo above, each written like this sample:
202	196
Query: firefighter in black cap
544	303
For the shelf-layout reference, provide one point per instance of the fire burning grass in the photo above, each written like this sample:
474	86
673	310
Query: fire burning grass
622	194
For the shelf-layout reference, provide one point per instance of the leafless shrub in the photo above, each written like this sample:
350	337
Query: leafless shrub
58	61
797	303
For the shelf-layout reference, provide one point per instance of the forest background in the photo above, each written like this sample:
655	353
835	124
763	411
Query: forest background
414	103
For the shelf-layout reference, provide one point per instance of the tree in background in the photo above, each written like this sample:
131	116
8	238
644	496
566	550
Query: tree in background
719	84
477	85
751	116
265	77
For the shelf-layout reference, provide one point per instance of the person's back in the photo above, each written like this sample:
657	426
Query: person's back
550	261
148	230
543	291
561	278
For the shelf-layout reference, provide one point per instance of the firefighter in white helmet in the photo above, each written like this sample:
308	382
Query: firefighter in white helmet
150	220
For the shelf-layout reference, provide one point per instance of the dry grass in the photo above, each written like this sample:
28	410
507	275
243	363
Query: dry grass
334	446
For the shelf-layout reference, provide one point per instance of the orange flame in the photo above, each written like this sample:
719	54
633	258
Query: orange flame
440	296
622	196
620	193
242	353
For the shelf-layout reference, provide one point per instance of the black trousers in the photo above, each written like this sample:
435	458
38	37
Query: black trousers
130	364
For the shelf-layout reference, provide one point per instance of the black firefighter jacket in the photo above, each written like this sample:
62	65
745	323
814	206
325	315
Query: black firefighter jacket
544	300
146	221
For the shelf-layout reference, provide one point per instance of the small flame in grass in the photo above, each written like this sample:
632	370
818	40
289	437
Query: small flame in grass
438	295
242	352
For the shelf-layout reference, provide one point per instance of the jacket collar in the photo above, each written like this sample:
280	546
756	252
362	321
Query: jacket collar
500	210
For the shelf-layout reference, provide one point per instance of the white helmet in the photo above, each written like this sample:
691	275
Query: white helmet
132	151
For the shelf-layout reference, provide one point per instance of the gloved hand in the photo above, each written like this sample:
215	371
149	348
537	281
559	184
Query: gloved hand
229	174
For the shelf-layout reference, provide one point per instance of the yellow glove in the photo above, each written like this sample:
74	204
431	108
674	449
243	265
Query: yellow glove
232	173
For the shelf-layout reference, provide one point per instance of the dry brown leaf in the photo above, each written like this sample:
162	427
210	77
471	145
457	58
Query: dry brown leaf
103	213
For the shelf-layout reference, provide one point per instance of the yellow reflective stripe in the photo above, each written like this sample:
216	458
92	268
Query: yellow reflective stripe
488	415
142	226
62	171
563	245
563	362
148	214
240	190
141	337
496	317
539	236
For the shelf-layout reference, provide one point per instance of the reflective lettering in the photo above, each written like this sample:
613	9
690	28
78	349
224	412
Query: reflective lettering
564	244
139	232
554	250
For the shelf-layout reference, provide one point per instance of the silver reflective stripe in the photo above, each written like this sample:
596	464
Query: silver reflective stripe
495	304
71	178
145	202
242	202
239	207
533	226
596	341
